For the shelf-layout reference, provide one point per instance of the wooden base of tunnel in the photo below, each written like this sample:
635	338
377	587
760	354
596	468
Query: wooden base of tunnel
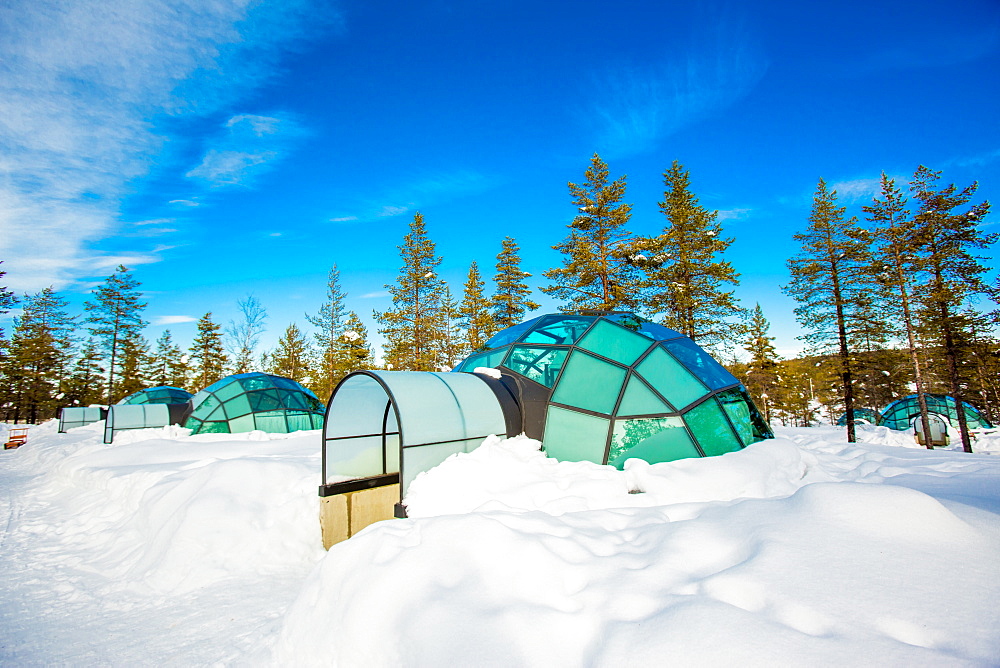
343	515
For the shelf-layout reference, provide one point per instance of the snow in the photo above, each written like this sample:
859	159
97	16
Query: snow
167	548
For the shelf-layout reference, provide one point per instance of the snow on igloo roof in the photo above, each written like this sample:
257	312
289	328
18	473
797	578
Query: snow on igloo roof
250	401
616	386
162	394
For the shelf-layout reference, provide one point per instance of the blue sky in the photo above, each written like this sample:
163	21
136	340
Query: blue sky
227	148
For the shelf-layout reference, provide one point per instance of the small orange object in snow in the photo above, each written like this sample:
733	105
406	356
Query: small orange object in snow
15	439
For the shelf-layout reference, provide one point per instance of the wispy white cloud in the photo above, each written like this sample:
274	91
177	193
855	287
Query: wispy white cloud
250	146
184	202
732	214
172	319
374	295
636	106
86	87
947	46
390	211
418	192
852	190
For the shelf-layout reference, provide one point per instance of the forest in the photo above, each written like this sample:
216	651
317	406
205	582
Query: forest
893	299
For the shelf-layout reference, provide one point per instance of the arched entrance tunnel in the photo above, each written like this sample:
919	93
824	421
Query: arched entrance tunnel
382	428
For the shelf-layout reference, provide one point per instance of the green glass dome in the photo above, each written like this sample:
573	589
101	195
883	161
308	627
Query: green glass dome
164	394
900	414
609	387
254	401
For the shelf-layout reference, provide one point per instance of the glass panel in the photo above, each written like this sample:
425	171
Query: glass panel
640	400
556	329
574	437
239	405
590	383
749	423
298	421
228	391
285	383
541	365
700	363
422	458
436	407
242	424
214	428
357	408
670	378
264	400
272	422
207	405
194	424
257	382
710	427
614	342
658	332
511	334
652	439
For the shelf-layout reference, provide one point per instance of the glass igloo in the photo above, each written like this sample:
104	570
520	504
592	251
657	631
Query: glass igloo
248	401
901	413
612	386
163	394
861	416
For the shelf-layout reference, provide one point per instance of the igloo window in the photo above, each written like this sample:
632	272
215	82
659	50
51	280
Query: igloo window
590	383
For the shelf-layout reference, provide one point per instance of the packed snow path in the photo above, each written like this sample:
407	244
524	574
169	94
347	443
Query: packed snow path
167	549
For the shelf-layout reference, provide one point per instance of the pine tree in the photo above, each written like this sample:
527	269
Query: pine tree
134	368
827	278
169	366
207	353
513	296
598	272
474	312
949	235
762	369
242	337
115	316
895	266
409	327
686	277
355	337
83	387
40	348
331	349
291	357
448	335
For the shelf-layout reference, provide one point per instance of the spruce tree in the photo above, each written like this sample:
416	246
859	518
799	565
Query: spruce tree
83	386
687	277
829	274
291	356
358	352
896	265
331	349
513	296
135	367
243	336
169	364
39	351
474	313
598	272
207	353
762	368
450	344
410	326
115	315
949	235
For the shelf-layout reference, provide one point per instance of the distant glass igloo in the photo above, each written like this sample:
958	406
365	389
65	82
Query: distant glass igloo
605	388
901	413
248	401
163	394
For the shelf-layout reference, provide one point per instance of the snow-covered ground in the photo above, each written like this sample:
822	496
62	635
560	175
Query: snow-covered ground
168	549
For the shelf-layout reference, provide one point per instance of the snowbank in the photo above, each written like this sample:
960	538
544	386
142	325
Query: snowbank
167	548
